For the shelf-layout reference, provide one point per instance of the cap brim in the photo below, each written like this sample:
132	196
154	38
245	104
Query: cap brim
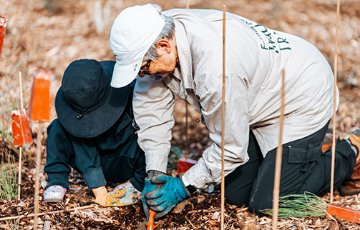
125	74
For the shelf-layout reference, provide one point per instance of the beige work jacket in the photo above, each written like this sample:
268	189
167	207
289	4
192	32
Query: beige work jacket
255	57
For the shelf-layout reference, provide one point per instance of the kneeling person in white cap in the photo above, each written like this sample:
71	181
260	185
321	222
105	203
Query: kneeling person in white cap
182	50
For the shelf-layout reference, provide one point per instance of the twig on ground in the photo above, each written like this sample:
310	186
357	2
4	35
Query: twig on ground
190	222
204	210
46	213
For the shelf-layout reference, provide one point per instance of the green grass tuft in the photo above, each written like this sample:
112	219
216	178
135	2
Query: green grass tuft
13	224
299	206
8	181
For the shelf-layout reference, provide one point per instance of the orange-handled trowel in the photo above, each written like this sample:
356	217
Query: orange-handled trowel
151	222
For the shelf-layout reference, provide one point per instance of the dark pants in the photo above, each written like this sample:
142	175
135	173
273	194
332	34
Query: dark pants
304	168
99	166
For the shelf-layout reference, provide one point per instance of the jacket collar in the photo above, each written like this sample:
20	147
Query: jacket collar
184	54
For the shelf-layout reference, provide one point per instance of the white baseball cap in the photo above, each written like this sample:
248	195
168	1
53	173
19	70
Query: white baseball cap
133	32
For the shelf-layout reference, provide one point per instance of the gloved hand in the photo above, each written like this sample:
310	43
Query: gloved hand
169	192
122	195
148	187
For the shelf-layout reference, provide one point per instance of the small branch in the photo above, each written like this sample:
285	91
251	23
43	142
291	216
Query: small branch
46	213
203	210
190	222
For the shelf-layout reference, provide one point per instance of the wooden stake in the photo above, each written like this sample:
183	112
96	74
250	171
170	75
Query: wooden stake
334	103
187	114
21	91
45	213
20	152
186	131
37	177
279	149
19	173
223	121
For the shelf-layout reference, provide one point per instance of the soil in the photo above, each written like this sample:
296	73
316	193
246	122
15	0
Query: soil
50	34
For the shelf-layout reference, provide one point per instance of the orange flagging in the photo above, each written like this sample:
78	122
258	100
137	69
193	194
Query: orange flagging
3	22
20	128
344	213
39	109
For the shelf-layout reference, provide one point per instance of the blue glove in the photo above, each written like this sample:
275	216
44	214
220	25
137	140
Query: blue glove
169	192
148	187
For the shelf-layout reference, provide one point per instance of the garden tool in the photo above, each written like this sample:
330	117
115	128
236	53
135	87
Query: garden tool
151	223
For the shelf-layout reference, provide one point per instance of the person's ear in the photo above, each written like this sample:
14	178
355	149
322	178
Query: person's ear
163	46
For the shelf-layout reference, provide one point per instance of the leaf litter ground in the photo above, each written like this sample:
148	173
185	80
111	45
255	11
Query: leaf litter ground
52	37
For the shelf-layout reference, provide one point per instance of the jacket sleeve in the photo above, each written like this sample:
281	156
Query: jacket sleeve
208	168
153	105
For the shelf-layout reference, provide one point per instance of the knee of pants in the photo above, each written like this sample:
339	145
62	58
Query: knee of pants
118	168
237	198
258	205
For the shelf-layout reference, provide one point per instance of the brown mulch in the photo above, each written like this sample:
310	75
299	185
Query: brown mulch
51	36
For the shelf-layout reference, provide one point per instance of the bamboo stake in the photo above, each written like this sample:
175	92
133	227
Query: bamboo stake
21	91
279	149
223	121
20	152
334	103
187	114
186	131
19	173
46	213
37	177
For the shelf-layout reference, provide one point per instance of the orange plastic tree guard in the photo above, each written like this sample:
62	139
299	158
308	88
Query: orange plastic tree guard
344	213
184	164
20	128
151	223
3	22
39	109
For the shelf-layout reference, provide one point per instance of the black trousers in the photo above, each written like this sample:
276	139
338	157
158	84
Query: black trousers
304	168
98	165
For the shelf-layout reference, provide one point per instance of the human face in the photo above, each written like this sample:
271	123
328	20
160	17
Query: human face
166	62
